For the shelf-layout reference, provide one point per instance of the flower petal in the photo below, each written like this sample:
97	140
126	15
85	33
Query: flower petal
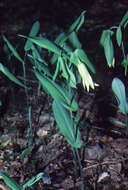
86	77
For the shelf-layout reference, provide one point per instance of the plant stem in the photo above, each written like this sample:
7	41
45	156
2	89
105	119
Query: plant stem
75	161
80	166
126	119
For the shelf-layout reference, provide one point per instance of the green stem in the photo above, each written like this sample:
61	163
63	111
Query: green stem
76	152
126	120
81	171
24	76
30	125
75	161
123	50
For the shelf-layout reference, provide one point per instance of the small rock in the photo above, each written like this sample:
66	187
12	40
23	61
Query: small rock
115	170
42	133
103	176
68	183
94	152
120	145
45	118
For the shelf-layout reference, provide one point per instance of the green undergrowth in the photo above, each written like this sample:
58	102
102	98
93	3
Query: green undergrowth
67	65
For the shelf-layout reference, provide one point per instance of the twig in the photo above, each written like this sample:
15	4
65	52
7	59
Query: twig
114	161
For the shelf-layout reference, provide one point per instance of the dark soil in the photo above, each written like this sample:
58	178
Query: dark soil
26	150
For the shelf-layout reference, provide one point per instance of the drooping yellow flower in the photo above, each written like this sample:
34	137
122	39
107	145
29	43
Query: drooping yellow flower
86	77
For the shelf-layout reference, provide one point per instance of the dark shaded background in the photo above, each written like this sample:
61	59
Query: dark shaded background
60	13
17	17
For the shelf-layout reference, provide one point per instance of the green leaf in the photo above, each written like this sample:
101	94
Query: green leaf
73	28
61	41
26	151
7	51
109	51
72	81
10	182
43	68
72	78
68	49
4	143
63	68
74	58
66	124
57	70
79	54
106	42
61	38
6	72
39	66
125	63
34	31
44	43
33	180
125	25
75	41
57	92
36	54
105	35
77	24
119	91
124	19
54	59
83	57
15	53
119	36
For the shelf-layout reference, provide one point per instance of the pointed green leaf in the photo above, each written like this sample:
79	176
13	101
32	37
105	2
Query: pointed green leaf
119	36
36	55
77	24
33	180
54	59
68	49
61	38
10	182
39	66
63	68
125	64
26	151
75	41
57	92
61	41
83	57
109	51
44	43
79	54
72	80
66	125
126	23
74	58
56	71
73	28
15	53
104	35
6	72
119	92
124	19
34	31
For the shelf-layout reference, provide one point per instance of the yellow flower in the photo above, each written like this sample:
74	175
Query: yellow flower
86	77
